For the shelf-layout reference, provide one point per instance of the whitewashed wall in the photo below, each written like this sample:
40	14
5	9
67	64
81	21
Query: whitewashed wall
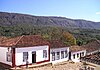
77	59
3	55
59	50
39	54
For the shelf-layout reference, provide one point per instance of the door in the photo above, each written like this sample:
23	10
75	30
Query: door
80	55
34	57
69	55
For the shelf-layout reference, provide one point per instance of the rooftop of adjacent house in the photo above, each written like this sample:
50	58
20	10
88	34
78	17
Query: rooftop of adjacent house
92	46
57	44
76	48
93	58
24	41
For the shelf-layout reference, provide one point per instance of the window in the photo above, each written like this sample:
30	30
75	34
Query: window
53	56
62	54
77	55
66	54
82	53
44	53
9	56
25	56
58	55
73	56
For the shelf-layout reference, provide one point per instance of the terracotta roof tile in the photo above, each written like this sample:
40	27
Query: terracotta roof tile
25	41
57	44
3	38
92	46
76	48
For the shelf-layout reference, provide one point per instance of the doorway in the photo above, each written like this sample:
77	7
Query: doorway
69	55
34	57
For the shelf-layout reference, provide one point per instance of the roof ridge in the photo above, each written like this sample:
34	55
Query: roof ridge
98	41
19	39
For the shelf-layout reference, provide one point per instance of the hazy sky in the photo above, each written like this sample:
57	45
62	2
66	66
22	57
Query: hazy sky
77	9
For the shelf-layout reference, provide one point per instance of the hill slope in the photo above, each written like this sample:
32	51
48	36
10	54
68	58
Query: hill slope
15	18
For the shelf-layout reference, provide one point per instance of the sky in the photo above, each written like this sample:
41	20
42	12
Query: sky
75	9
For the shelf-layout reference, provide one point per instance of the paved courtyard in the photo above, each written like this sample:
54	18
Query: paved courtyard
60	66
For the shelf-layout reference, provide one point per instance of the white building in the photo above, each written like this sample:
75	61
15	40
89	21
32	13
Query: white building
58	52
15	51
76	52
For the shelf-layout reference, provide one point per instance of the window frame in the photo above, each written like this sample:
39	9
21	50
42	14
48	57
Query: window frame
53	56
66	54
25	56
73	56
62	54
44	53
77	55
9	56
58	55
82	54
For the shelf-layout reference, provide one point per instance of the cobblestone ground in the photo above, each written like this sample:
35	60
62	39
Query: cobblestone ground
61	66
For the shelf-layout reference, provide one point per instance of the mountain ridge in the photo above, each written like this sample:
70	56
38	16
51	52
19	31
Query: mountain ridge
16	18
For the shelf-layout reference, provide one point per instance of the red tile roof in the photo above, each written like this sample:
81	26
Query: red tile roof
92	46
57	44
2	38
24	41
76	48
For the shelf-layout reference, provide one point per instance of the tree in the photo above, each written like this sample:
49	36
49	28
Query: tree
68	38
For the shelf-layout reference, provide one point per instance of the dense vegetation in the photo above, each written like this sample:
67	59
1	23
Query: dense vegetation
67	36
49	33
83	36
